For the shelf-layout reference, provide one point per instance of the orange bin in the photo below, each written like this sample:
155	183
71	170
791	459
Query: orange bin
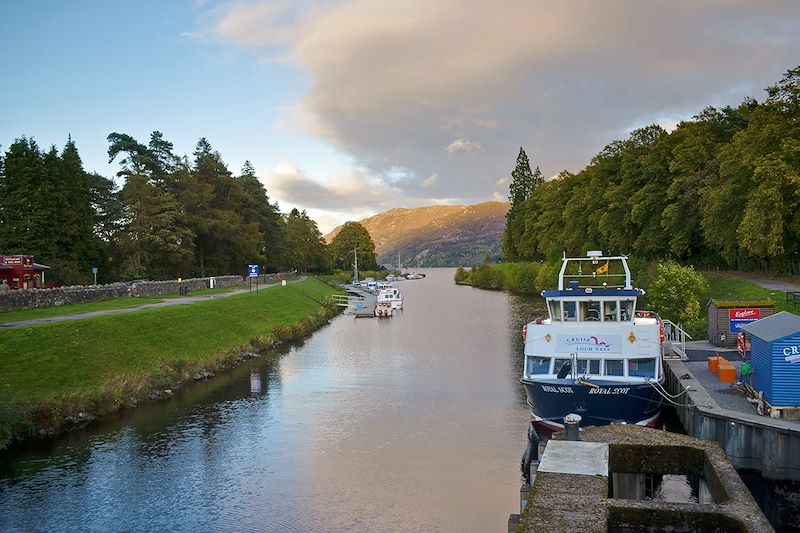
727	372
713	364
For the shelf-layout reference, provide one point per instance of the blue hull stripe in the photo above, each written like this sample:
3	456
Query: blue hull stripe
619	402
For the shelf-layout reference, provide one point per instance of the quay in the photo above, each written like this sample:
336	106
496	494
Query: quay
600	483
713	411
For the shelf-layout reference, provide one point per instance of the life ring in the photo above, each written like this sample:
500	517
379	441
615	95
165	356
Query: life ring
740	344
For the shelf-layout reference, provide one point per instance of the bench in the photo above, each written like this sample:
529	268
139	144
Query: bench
793	297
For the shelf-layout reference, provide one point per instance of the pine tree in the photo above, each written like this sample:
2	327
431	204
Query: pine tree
523	184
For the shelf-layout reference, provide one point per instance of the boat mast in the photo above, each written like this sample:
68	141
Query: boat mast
355	265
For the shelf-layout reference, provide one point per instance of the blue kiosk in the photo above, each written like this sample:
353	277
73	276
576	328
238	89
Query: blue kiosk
775	358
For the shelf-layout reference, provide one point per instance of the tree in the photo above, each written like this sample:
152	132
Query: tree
352	236
24	211
523	184
677	293
255	207
305	248
155	241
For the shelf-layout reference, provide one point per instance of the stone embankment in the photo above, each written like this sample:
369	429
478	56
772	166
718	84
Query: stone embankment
80	294
173	286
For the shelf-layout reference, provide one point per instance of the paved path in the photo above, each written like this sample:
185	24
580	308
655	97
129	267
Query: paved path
126	310
767	283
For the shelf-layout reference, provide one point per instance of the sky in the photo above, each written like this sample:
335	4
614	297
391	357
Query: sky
349	108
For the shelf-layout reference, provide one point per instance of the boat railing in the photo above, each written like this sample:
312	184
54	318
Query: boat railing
597	267
674	340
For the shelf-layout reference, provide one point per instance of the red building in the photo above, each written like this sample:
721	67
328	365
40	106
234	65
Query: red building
20	272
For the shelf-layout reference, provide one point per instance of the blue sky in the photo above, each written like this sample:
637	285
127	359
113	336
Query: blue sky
347	108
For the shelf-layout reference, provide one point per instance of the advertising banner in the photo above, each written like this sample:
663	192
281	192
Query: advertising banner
739	317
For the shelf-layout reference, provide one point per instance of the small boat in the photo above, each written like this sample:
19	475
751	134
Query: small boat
594	355
391	294
383	309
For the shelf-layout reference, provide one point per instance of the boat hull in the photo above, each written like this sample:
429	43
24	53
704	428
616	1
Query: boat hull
552	399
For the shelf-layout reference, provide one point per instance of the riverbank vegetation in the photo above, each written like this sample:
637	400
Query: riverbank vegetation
676	292
719	191
57	375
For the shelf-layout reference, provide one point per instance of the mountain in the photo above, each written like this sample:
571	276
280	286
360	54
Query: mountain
438	235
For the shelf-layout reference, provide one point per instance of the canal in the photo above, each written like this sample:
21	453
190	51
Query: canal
415	423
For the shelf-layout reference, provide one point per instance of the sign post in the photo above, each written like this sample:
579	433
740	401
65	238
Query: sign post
94	273
252	273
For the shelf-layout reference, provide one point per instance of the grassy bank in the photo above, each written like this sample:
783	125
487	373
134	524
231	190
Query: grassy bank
51	373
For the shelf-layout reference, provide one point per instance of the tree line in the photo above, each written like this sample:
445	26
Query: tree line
720	190
173	216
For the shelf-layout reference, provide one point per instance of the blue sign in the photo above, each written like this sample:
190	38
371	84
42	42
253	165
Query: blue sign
94	270
252	271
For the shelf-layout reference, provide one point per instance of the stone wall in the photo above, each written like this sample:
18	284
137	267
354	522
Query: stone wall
39	298
78	294
162	288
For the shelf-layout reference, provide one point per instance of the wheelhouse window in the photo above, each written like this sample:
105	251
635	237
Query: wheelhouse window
626	310
590	311
555	310
538	365
614	367
569	312
643	368
610	311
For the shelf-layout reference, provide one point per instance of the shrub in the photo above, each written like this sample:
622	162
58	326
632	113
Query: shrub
522	278
461	275
676	293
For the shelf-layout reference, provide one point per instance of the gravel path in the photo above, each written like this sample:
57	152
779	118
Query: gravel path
767	283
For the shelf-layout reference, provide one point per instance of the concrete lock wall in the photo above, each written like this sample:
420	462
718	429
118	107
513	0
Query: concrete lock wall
40	298
750	441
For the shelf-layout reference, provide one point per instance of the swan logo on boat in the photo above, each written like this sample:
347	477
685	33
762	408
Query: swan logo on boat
589	344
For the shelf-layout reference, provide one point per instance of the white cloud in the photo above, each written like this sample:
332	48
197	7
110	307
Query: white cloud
431	181
463	145
391	84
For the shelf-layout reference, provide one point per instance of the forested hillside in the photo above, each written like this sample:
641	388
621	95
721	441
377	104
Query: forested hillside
722	189
173	217
437	235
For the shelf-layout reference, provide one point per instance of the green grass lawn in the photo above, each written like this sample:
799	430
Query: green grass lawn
731	288
80	357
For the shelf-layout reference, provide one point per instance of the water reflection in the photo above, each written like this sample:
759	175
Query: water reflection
414	423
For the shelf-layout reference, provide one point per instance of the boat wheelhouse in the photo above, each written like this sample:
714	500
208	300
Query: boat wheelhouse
593	354
390	293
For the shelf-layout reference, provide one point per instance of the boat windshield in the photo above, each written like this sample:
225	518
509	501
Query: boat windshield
626	310
538	365
645	368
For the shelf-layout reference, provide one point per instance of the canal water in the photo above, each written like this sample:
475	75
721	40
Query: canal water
414	423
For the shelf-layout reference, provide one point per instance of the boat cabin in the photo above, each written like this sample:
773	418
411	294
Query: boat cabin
592	329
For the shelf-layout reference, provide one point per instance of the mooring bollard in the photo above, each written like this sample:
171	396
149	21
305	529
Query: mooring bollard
571	423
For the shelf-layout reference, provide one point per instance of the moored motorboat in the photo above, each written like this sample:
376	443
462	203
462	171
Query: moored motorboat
593	355
383	309
391	294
